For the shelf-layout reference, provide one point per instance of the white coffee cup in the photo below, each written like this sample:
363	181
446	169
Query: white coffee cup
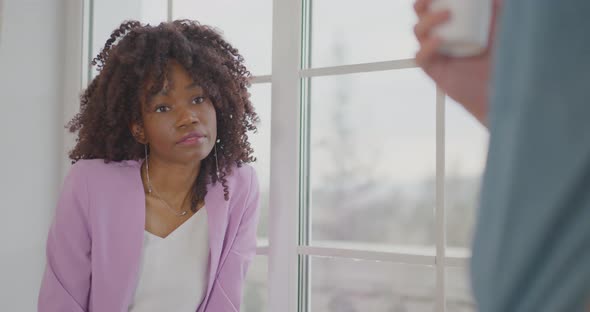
467	31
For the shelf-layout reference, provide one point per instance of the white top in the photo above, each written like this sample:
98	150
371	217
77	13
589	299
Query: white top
173	270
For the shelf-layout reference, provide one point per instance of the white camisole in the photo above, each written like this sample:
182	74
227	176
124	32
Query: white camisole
173	270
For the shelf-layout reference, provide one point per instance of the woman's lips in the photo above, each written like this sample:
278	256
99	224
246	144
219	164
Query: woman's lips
192	140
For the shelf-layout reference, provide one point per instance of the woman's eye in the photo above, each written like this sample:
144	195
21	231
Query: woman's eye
162	109
198	100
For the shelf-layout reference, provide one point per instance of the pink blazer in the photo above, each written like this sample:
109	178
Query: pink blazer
95	241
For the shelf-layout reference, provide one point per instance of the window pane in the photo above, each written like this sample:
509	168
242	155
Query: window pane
373	159
109	14
466	148
342	285
247	25
346	32
459	298
153	12
260	141
256	290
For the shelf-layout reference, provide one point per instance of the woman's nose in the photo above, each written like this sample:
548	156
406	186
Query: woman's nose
187	116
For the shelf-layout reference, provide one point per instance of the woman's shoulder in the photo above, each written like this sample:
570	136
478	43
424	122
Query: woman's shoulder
243	174
100	165
243	189
100	169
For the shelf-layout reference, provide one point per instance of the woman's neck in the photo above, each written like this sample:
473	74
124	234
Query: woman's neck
172	181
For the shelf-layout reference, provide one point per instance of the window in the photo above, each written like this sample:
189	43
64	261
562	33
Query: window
369	175
383	221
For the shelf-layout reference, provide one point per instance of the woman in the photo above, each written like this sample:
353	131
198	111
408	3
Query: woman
159	211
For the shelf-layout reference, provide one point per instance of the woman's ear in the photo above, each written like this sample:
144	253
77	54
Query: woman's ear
138	133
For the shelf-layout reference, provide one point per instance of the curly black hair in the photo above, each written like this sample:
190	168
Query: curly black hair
132	69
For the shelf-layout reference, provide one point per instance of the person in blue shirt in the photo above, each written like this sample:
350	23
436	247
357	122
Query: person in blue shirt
531	250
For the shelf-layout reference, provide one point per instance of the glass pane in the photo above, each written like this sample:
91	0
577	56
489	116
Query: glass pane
256	289
459	297
153	12
247	25
466	149
260	141
346	32
109	14
343	285
373	160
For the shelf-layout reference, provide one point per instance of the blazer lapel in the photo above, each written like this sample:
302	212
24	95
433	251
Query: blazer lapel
130	245
118	252
217	210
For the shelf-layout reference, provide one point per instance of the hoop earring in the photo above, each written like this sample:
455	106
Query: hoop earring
216	162
147	168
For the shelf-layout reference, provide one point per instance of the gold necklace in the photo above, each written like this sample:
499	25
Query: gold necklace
155	193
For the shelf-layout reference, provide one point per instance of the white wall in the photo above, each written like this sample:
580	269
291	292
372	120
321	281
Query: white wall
37	38
41	76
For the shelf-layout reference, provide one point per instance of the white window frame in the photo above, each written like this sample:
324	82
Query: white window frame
288	250
286	255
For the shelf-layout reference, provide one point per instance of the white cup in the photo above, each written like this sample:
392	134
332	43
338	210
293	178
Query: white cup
466	32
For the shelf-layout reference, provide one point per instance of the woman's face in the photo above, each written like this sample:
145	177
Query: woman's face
179	123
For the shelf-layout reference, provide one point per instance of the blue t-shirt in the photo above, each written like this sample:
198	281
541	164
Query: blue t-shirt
532	244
